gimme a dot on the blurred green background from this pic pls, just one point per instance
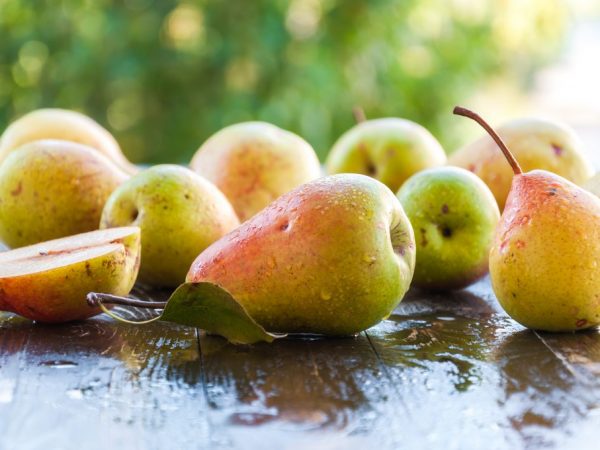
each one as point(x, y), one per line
point(165, 75)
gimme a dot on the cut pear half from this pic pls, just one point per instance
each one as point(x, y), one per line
point(48, 282)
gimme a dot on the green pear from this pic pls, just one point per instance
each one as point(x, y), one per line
point(48, 282)
point(544, 262)
point(253, 163)
point(593, 185)
point(390, 150)
point(536, 144)
point(64, 125)
point(50, 189)
point(454, 215)
point(334, 256)
point(180, 214)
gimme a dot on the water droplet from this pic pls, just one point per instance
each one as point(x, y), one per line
point(325, 295)
point(369, 259)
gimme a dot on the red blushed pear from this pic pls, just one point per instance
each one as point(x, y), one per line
point(545, 260)
point(334, 256)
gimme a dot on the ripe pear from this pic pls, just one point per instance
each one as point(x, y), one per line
point(65, 125)
point(48, 282)
point(180, 214)
point(389, 149)
point(454, 215)
point(536, 144)
point(50, 189)
point(334, 256)
point(593, 185)
point(545, 260)
point(253, 163)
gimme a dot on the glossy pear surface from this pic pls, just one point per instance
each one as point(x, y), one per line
point(334, 256)
point(180, 214)
point(545, 261)
point(48, 282)
point(389, 149)
point(536, 144)
point(454, 216)
point(253, 163)
point(65, 125)
point(51, 189)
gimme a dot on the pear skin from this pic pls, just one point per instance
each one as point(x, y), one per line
point(334, 256)
point(51, 189)
point(64, 125)
point(253, 163)
point(536, 144)
point(48, 282)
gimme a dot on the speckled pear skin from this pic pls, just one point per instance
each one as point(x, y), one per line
point(253, 163)
point(334, 256)
point(51, 189)
point(389, 150)
point(65, 125)
point(536, 144)
point(58, 294)
point(180, 214)
point(545, 260)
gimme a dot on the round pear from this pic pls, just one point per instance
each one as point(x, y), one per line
point(388, 149)
point(51, 189)
point(536, 144)
point(253, 163)
point(65, 125)
point(180, 214)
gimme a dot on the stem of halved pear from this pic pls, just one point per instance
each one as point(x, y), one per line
point(359, 114)
point(460, 111)
point(95, 299)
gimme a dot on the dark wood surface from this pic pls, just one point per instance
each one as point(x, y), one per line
point(444, 371)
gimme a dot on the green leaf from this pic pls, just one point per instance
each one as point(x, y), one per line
point(211, 308)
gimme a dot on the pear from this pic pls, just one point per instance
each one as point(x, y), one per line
point(389, 149)
point(545, 259)
point(48, 282)
point(253, 163)
point(65, 125)
point(334, 256)
point(536, 143)
point(51, 189)
point(180, 214)
point(593, 185)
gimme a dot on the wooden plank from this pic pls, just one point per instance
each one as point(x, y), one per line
point(474, 378)
point(303, 393)
point(100, 384)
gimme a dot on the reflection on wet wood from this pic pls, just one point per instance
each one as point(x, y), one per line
point(449, 371)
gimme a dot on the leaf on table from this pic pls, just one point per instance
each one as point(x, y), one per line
point(209, 307)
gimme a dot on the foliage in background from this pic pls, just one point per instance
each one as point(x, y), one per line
point(164, 75)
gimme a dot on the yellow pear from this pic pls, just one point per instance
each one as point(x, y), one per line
point(62, 124)
point(536, 144)
point(545, 259)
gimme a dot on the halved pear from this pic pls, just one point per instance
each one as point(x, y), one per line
point(48, 282)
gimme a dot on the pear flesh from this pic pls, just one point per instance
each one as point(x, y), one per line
point(48, 282)
point(334, 256)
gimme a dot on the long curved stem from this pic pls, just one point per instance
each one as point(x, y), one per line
point(460, 111)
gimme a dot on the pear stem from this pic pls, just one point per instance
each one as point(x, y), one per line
point(359, 114)
point(460, 111)
point(96, 299)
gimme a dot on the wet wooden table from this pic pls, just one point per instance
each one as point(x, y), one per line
point(451, 372)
